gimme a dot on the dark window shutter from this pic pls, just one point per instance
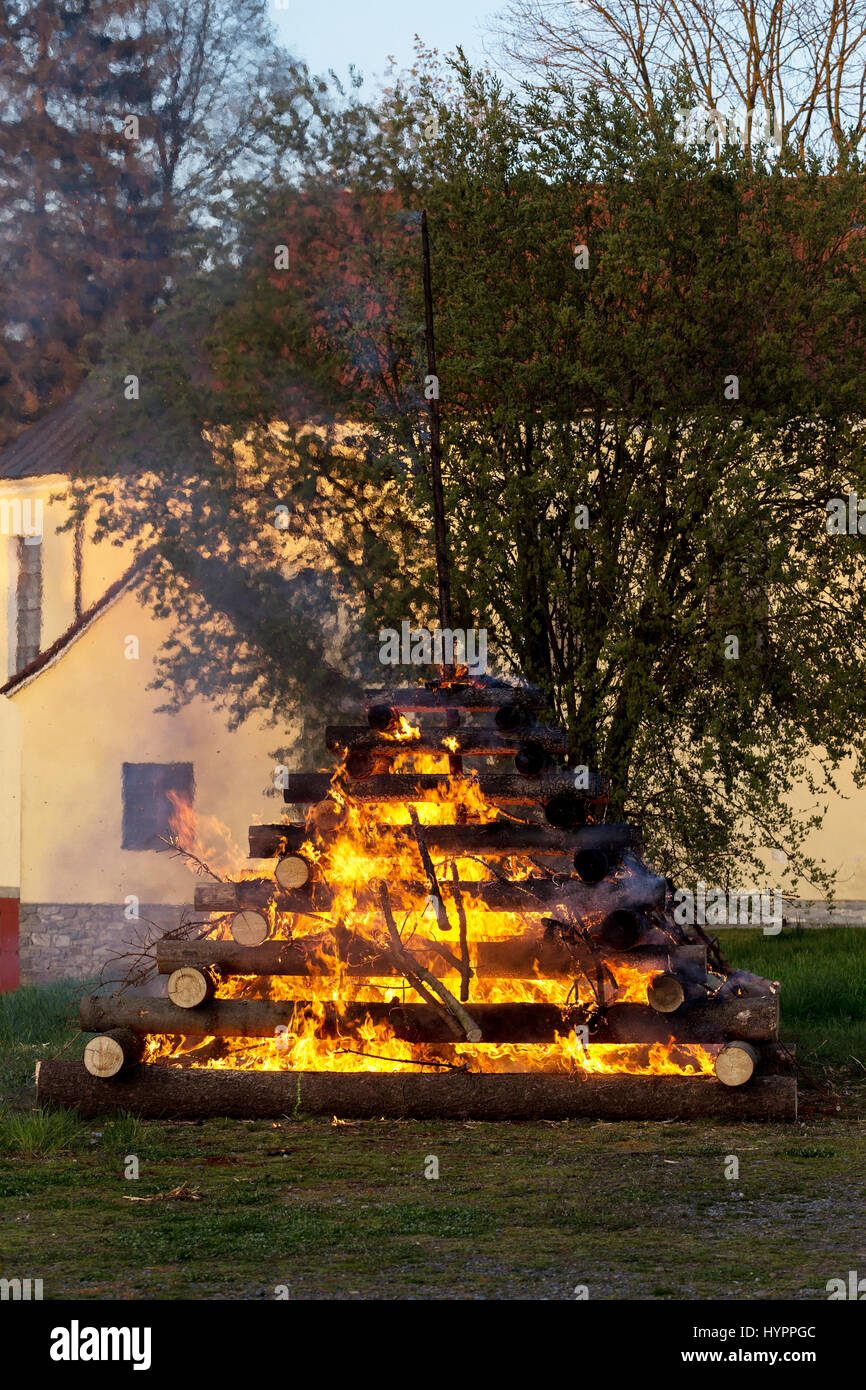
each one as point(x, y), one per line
point(147, 807)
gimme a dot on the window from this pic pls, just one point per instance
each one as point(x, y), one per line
point(154, 795)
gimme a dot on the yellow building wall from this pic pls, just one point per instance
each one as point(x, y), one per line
point(101, 566)
point(10, 798)
point(841, 841)
point(81, 720)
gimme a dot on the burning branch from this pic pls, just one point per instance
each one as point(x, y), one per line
point(465, 969)
point(179, 852)
point(435, 893)
point(415, 973)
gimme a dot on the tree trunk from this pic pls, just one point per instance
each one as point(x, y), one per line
point(526, 957)
point(200, 1093)
point(641, 889)
point(481, 696)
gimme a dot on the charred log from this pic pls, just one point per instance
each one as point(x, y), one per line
point(470, 742)
point(752, 1018)
point(508, 788)
point(492, 840)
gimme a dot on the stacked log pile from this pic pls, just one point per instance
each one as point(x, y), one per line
point(591, 911)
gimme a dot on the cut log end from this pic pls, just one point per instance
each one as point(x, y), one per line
point(249, 928)
point(736, 1064)
point(188, 988)
point(292, 871)
point(665, 993)
point(325, 817)
point(108, 1054)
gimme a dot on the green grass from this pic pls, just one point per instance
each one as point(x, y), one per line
point(520, 1210)
point(36, 1133)
point(823, 978)
point(36, 1022)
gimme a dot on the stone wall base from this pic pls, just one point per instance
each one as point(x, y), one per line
point(80, 940)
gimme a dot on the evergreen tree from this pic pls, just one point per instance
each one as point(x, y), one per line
point(85, 239)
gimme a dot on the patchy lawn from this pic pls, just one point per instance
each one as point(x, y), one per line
point(630, 1209)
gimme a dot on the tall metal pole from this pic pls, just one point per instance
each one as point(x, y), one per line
point(443, 572)
point(440, 529)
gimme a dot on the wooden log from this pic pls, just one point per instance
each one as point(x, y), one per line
point(292, 871)
point(720, 1019)
point(643, 889)
point(495, 840)
point(508, 788)
point(475, 696)
point(525, 957)
point(266, 841)
point(736, 1063)
point(471, 742)
point(188, 988)
point(109, 1053)
point(716, 1020)
point(172, 1092)
point(666, 993)
point(248, 927)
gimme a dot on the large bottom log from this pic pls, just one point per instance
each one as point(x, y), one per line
point(168, 1091)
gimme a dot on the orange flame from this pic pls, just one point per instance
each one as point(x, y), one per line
point(373, 842)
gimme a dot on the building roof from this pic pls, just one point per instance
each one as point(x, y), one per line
point(77, 629)
point(57, 443)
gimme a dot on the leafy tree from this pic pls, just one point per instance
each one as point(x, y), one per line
point(693, 381)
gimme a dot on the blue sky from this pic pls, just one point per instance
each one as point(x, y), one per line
point(335, 33)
